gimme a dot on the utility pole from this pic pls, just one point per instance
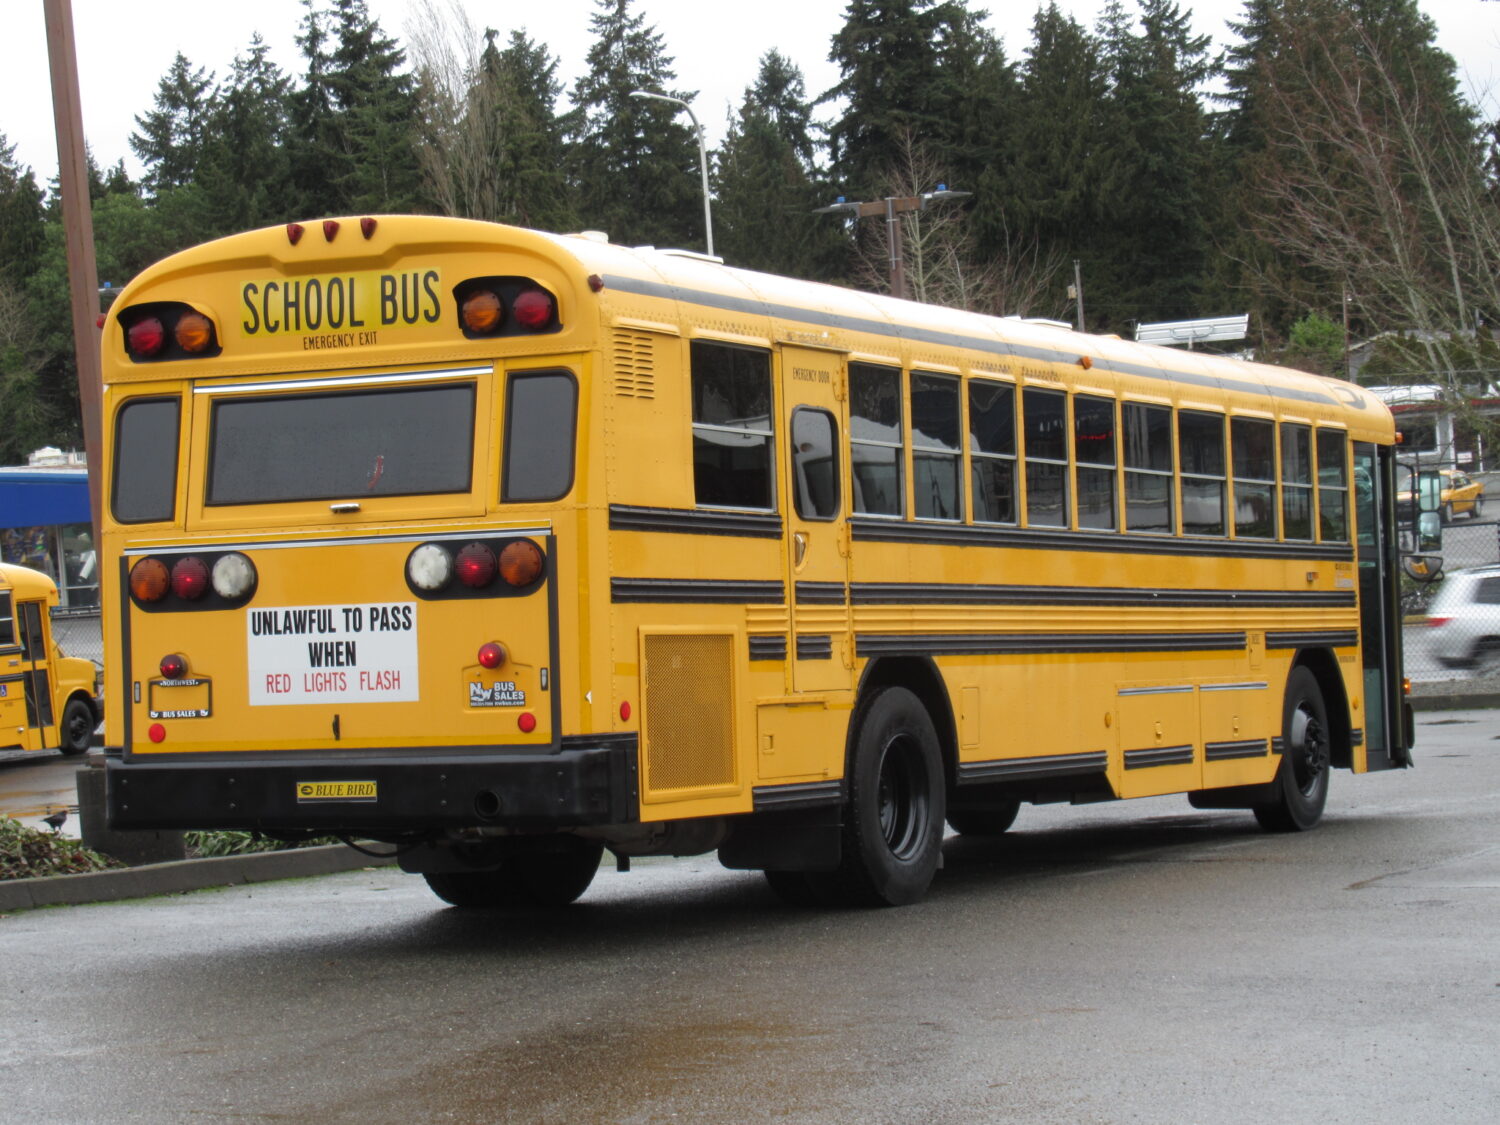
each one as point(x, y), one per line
point(893, 207)
point(78, 225)
point(1078, 293)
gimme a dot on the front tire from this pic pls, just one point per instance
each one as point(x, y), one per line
point(1477, 508)
point(77, 728)
point(893, 830)
point(1301, 783)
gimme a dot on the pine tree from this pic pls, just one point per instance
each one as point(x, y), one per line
point(27, 415)
point(766, 184)
point(171, 138)
point(633, 162)
point(245, 170)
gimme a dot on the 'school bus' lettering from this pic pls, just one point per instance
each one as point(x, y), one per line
point(619, 547)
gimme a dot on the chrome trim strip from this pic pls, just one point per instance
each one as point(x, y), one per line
point(351, 540)
point(1260, 686)
point(346, 381)
point(1187, 690)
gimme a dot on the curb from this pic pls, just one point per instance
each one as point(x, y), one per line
point(183, 875)
point(1471, 701)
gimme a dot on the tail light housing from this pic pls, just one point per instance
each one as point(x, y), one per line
point(505, 306)
point(435, 571)
point(199, 581)
point(167, 330)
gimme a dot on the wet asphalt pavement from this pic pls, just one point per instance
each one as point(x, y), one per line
point(1138, 962)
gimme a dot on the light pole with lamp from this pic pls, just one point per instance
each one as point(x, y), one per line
point(892, 208)
point(708, 219)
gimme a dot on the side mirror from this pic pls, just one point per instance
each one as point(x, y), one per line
point(1429, 491)
point(1422, 568)
point(1429, 531)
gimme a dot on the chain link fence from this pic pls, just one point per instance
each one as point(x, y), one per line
point(77, 634)
point(1451, 626)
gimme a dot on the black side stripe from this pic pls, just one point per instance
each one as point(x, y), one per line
point(1008, 644)
point(1313, 638)
point(803, 795)
point(1228, 751)
point(820, 593)
point(814, 647)
point(694, 521)
point(1113, 542)
point(928, 593)
point(1050, 765)
point(1158, 756)
point(683, 591)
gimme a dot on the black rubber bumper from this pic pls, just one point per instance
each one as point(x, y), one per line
point(578, 785)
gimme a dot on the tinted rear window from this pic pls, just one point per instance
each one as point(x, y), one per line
point(145, 476)
point(348, 444)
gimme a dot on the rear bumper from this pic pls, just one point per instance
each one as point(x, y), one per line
point(588, 782)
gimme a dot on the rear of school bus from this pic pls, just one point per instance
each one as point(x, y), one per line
point(343, 520)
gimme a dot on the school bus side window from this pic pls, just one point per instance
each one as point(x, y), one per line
point(1045, 421)
point(1094, 446)
point(1148, 468)
point(732, 426)
point(1200, 454)
point(1253, 452)
point(540, 428)
point(875, 438)
point(1296, 481)
point(936, 456)
point(815, 463)
point(992, 450)
point(7, 623)
point(145, 472)
point(1333, 487)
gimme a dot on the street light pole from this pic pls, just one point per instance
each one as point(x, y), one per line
point(708, 219)
point(893, 207)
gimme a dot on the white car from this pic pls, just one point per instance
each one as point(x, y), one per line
point(1464, 620)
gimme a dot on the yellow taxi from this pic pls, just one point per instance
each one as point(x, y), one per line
point(47, 700)
point(1462, 495)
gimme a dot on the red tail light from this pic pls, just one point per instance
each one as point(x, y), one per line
point(475, 565)
point(491, 654)
point(146, 337)
point(174, 666)
point(533, 309)
point(190, 578)
point(1435, 621)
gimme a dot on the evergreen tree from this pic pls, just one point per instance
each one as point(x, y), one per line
point(245, 171)
point(28, 417)
point(766, 185)
point(531, 163)
point(354, 120)
point(634, 162)
point(22, 217)
point(172, 136)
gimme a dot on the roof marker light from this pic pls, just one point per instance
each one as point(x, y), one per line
point(367, 226)
point(293, 232)
point(330, 228)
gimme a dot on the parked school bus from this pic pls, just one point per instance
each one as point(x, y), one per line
point(47, 700)
point(507, 547)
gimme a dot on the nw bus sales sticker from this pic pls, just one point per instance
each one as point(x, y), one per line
point(333, 654)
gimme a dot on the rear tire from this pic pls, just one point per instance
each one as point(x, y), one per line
point(471, 890)
point(77, 728)
point(993, 820)
point(893, 830)
point(1301, 783)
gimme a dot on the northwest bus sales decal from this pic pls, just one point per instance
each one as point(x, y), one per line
point(346, 310)
point(333, 654)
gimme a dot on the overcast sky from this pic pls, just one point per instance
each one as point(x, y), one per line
point(126, 46)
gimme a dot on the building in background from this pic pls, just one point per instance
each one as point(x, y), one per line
point(44, 524)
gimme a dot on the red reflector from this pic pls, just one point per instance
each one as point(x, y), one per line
point(533, 309)
point(174, 666)
point(491, 655)
point(293, 232)
point(149, 580)
point(330, 228)
point(1438, 620)
point(625, 709)
point(526, 721)
point(146, 336)
point(157, 733)
point(475, 565)
point(367, 227)
point(190, 578)
point(100, 322)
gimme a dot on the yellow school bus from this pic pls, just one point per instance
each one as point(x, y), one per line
point(508, 547)
point(47, 700)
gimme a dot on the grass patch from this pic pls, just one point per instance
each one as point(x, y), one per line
point(201, 845)
point(26, 853)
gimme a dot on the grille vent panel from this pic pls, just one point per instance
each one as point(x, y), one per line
point(689, 705)
point(634, 355)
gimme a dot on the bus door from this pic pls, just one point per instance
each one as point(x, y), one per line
point(818, 644)
point(14, 730)
point(1387, 742)
point(29, 664)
